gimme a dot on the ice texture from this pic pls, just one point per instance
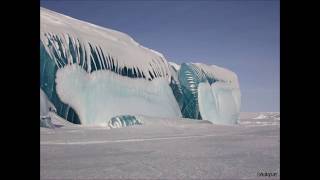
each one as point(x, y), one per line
point(92, 74)
point(217, 103)
point(189, 77)
point(45, 107)
point(207, 102)
point(175, 66)
point(45, 104)
point(123, 121)
point(66, 41)
point(207, 92)
point(220, 98)
point(101, 95)
point(48, 70)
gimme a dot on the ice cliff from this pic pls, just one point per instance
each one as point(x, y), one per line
point(92, 74)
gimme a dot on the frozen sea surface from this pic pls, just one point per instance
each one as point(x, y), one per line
point(165, 149)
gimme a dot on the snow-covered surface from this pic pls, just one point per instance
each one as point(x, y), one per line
point(163, 148)
point(126, 52)
point(221, 74)
point(261, 116)
point(268, 115)
point(175, 65)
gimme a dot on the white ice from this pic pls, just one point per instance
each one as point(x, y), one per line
point(101, 95)
point(45, 104)
point(126, 52)
point(218, 103)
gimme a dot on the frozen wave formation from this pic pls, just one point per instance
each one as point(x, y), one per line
point(207, 92)
point(92, 74)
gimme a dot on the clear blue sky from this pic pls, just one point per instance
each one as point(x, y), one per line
point(242, 36)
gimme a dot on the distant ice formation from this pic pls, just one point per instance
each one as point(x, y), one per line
point(93, 75)
point(269, 115)
point(261, 116)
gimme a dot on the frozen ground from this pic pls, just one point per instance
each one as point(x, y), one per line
point(168, 149)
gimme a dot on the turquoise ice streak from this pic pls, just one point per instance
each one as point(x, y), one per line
point(97, 76)
point(123, 121)
point(189, 77)
point(48, 70)
point(205, 92)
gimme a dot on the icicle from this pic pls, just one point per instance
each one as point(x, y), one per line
point(70, 40)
